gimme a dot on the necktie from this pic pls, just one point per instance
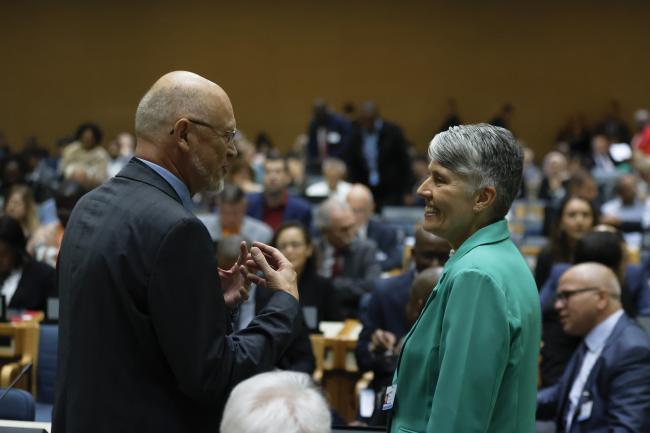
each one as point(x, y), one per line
point(581, 351)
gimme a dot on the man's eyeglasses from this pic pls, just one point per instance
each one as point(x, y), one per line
point(565, 295)
point(228, 135)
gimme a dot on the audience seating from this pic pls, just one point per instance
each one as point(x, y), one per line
point(18, 347)
point(17, 405)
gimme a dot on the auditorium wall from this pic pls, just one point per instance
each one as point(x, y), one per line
point(70, 61)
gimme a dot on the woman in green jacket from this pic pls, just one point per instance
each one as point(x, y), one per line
point(469, 364)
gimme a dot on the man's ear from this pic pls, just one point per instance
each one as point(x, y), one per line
point(485, 198)
point(179, 133)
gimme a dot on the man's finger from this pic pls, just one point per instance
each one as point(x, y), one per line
point(243, 253)
point(260, 260)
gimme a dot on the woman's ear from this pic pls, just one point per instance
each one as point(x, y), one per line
point(485, 198)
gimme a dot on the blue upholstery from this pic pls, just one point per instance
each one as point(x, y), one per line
point(46, 371)
point(17, 405)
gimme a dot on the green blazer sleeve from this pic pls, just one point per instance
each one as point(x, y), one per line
point(474, 350)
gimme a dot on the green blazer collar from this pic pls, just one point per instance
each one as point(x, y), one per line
point(490, 234)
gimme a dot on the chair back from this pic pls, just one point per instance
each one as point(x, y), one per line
point(17, 405)
point(47, 363)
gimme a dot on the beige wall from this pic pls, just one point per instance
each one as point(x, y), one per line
point(66, 62)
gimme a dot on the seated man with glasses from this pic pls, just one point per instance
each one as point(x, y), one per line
point(606, 385)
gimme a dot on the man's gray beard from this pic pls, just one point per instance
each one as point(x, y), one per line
point(214, 184)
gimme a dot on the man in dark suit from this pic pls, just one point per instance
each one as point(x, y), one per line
point(350, 263)
point(276, 205)
point(328, 137)
point(144, 344)
point(378, 157)
point(388, 239)
point(606, 384)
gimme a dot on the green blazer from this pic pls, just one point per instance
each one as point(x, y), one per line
point(469, 364)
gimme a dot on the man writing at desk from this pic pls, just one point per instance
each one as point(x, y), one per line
point(144, 314)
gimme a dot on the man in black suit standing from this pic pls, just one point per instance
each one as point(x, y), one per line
point(144, 334)
point(378, 157)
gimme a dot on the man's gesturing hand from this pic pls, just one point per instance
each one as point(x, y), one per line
point(278, 273)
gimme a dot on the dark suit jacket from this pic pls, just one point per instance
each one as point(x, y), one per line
point(299, 356)
point(393, 163)
point(387, 239)
point(387, 311)
point(618, 386)
point(142, 342)
point(558, 346)
point(297, 209)
point(37, 283)
point(360, 268)
point(335, 149)
point(318, 292)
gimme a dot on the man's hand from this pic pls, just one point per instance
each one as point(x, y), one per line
point(278, 273)
point(233, 281)
point(382, 340)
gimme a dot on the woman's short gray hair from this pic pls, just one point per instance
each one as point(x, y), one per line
point(485, 155)
point(276, 402)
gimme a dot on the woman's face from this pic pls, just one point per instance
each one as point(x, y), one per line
point(293, 245)
point(87, 139)
point(449, 205)
point(577, 218)
point(15, 207)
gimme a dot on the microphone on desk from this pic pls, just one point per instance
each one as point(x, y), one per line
point(13, 382)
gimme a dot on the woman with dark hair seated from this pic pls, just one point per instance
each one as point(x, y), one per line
point(316, 292)
point(575, 217)
point(24, 282)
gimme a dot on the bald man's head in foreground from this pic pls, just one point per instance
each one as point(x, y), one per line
point(587, 294)
point(185, 123)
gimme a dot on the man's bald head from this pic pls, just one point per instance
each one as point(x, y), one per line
point(174, 95)
point(587, 294)
point(362, 203)
point(186, 124)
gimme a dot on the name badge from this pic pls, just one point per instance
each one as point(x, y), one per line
point(585, 410)
point(389, 398)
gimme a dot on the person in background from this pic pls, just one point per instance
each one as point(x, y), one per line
point(231, 218)
point(333, 184)
point(378, 157)
point(20, 205)
point(84, 159)
point(25, 283)
point(45, 244)
point(317, 296)
point(387, 301)
point(384, 346)
point(351, 263)
point(328, 136)
point(626, 210)
point(606, 385)
point(121, 151)
point(275, 205)
point(276, 402)
point(299, 355)
point(388, 240)
point(575, 217)
point(469, 364)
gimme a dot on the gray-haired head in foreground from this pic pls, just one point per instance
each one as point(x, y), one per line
point(276, 402)
point(485, 155)
point(324, 212)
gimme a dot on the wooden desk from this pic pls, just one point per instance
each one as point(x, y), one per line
point(19, 347)
point(336, 365)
